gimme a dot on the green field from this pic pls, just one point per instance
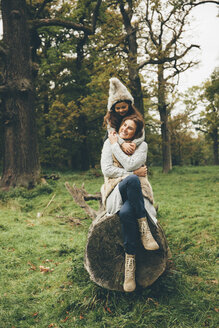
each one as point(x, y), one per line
point(42, 278)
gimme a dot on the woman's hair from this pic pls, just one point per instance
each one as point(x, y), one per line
point(114, 119)
point(139, 122)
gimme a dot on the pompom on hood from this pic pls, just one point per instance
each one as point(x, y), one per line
point(118, 92)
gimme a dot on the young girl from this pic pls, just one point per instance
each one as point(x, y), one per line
point(121, 105)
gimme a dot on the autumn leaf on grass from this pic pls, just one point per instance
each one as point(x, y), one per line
point(107, 309)
point(32, 266)
point(45, 269)
point(64, 320)
point(47, 260)
point(35, 314)
point(30, 224)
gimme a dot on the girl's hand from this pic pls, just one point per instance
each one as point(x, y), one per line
point(113, 137)
point(128, 148)
point(141, 172)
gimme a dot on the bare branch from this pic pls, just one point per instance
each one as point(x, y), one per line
point(149, 24)
point(176, 35)
point(194, 4)
point(180, 69)
point(167, 59)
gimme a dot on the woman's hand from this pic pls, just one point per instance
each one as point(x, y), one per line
point(128, 148)
point(113, 137)
point(141, 172)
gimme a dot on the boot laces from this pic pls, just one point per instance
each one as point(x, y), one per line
point(129, 267)
point(144, 229)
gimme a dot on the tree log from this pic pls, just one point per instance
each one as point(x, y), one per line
point(105, 257)
point(104, 254)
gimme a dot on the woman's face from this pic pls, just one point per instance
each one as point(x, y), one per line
point(127, 129)
point(122, 108)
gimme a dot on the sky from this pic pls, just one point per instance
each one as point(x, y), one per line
point(204, 31)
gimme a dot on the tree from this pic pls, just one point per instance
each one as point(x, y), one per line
point(131, 49)
point(209, 118)
point(154, 38)
point(187, 147)
point(20, 163)
point(20, 158)
point(164, 47)
point(202, 102)
point(66, 64)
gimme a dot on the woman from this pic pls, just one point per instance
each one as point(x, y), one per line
point(127, 192)
point(120, 105)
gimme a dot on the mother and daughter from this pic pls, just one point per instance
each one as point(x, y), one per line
point(126, 190)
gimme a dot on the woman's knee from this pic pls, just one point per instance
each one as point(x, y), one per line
point(133, 180)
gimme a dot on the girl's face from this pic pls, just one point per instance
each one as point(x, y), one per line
point(122, 108)
point(127, 129)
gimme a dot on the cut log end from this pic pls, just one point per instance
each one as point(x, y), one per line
point(104, 254)
point(105, 257)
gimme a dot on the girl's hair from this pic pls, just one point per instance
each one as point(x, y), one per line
point(139, 122)
point(114, 119)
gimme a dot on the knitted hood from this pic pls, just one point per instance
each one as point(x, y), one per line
point(118, 92)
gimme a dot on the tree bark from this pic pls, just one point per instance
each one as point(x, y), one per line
point(215, 145)
point(165, 133)
point(21, 162)
point(133, 67)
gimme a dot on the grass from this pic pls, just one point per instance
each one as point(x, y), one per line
point(42, 278)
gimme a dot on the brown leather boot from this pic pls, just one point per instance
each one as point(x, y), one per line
point(147, 239)
point(129, 282)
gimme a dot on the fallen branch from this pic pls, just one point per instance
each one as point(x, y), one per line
point(80, 197)
point(39, 214)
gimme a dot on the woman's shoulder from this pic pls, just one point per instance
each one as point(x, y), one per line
point(106, 144)
point(143, 146)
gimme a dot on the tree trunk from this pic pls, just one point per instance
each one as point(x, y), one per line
point(215, 145)
point(20, 158)
point(105, 256)
point(165, 133)
point(133, 68)
point(84, 151)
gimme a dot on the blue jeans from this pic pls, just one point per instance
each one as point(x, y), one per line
point(131, 210)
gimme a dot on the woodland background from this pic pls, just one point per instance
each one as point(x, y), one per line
point(56, 58)
point(56, 63)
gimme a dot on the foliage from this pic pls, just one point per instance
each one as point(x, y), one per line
point(187, 148)
point(206, 99)
point(74, 69)
point(210, 117)
point(42, 258)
